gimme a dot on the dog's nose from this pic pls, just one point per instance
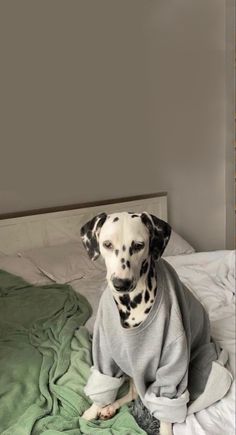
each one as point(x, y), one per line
point(121, 284)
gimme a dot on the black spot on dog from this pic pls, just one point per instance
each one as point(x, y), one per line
point(155, 291)
point(124, 247)
point(123, 266)
point(94, 242)
point(149, 282)
point(122, 260)
point(116, 302)
point(138, 298)
point(151, 271)
point(134, 215)
point(125, 300)
point(135, 247)
point(136, 324)
point(146, 221)
point(116, 219)
point(124, 315)
point(133, 318)
point(136, 301)
point(126, 325)
point(147, 310)
point(128, 264)
point(117, 252)
point(131, 249)
point(144, 267)
point(146, 296)
point(152, 300)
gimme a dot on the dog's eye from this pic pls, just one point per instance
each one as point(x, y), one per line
point(108, 245)
point(138, 246)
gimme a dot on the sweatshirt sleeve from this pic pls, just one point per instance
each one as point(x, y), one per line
point(106, 377)
point(167, 396)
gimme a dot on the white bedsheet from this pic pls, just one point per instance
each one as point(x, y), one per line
point(211, 277)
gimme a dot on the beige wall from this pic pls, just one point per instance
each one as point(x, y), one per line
point(104, 99)
point(230, 167)
point(187, 111)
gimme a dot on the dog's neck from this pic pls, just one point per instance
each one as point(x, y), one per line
point(134, 307)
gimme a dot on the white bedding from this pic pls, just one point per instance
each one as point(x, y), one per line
point(211, 277)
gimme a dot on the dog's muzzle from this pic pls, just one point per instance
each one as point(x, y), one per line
point(122, 285)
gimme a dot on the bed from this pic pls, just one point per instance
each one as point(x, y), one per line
point(45, 250)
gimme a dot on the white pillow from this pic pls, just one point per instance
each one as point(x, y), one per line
point(24, 268)
point(63, 263)
point(69, 261)
point(177, 246)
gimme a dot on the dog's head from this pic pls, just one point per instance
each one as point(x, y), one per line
point(127, 242)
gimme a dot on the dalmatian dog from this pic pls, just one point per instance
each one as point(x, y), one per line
point(130, 244)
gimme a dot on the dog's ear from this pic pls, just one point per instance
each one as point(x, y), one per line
point(90, 235)
point(159, 231)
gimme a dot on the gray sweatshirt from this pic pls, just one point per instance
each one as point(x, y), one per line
point(169, 355)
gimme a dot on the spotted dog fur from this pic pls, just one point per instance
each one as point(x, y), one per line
point(130, 244)
point(90, 233)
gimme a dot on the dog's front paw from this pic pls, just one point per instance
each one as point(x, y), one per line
point(165, 428)
point(108, 412)
point(91, 413)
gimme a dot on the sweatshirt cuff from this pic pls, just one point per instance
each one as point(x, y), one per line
point(165, 409)
point(102, 389)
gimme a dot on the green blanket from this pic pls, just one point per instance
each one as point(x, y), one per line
point(45, 359)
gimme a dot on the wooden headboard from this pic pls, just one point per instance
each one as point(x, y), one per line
point(62, 224)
